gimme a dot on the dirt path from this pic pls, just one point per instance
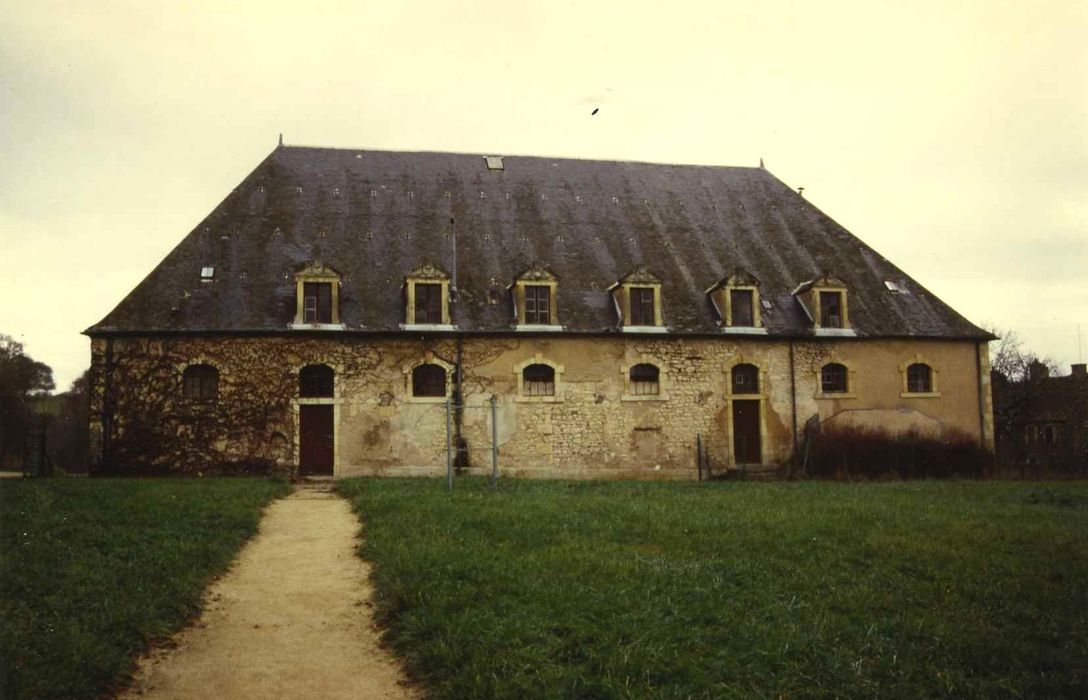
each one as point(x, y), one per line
point(291, 619)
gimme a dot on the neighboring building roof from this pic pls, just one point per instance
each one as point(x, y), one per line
point(377, 215)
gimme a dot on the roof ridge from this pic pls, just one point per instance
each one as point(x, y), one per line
point(479, 154)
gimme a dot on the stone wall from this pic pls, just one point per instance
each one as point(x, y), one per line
point(592, 428)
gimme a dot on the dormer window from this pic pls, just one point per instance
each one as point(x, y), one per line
point(740, 302)
point(534, 295)
point(317, 302)
point(831, 310)
point(736, 301)
point(538, 305)
point(637, 297)
point(824, 301)
point(317, 297)
point(428, 303)
point(427, 307)
point(642, 306)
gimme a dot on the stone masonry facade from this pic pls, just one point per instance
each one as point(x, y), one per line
point(592, 427)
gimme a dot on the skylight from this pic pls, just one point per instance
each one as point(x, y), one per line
point(895, 287)
point(494, 162)
point(206, 273)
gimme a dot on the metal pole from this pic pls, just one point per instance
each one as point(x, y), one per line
point(449, 454)
point(494, 444)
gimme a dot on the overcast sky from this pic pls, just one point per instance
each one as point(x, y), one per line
point(950, 136)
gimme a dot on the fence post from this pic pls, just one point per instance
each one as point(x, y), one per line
point(494, 443)
point(449, 454)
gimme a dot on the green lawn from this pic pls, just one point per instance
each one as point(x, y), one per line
point(91, 570)
point(901, 590)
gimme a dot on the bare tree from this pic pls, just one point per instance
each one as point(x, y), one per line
point(1009, 357)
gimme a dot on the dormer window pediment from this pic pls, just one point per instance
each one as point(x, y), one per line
point(534, 295)
point(317, 297)
point(637, 296)
point(737, 302)
point(427, 299)
point(825, 302)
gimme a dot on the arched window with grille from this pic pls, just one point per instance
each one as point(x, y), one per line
point(919, 378)
point(833, 378)
point(745, 379)
point(200, 382)
point(538, 380)
point(315, 382)
point(645, 379)
point(429, 380)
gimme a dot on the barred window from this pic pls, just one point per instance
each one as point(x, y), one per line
point(645, 380)
point(315, 381)
point(429, 380)
point(833, 379)
point(538, 380)
point(745, 379)
point(200, 382)
point(919, 378)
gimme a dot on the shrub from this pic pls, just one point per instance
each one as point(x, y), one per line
point(853, 452)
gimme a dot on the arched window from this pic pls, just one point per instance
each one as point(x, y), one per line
point(745, 379)
point(429, 380)
point(201, 382)
point(538, 380)
point(833, 379)
point(919, 379)
point(645, 380)
point(315, 381)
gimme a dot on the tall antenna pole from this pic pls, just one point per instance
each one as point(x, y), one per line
point(453, 283)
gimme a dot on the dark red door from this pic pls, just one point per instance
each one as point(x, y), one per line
point(746, 448)
point(315, 438)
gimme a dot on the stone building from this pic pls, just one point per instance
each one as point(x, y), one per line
point(1042, 421)
point(324, 313)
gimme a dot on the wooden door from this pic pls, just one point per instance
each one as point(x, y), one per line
point(315, 439)
point(746, 447)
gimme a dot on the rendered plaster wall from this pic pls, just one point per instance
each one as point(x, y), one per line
point(592, 428)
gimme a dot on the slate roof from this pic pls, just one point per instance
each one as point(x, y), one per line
point(377, 215)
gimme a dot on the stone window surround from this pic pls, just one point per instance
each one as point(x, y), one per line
point(851, 379)
point(537, 276)
point(201, 360)
point(319, 273)
point(538, 359)
point(335, 401)
point(722, 301)
point(934, 388)
point(662, 380)
point(621, 296)
point(428, 359)
point(426, 274)
point(812, 290)
point(761, 396)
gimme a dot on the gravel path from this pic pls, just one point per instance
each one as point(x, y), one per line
point(291, 619)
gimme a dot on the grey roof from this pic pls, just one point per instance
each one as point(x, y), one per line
point(377, 215)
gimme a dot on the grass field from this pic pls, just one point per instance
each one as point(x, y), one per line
point(903, 590)
point(92, 569)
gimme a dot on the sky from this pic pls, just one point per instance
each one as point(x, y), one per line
point(950, 136)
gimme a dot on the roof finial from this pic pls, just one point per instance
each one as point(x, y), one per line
point(281, 138)
point(761, 164)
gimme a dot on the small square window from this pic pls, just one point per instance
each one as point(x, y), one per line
point(207, 273)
